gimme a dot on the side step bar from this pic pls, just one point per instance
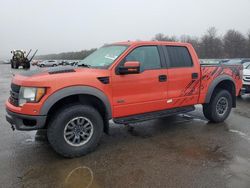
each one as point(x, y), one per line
point(153, 115)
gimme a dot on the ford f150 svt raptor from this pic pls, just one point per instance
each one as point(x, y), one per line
point(127, 82)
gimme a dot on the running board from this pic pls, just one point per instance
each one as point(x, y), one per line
point(153, 115)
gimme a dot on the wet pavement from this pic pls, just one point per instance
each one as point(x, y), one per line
point(179, 151)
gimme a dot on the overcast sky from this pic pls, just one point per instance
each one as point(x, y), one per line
point(54, 26)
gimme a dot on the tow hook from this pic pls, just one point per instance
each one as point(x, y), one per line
point(13, 128)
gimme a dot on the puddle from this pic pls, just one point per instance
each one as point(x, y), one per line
point(79, 177)
point(59, 176)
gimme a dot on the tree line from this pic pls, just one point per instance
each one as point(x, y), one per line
point(67, 55)
point(211, 45)
point(233, 44)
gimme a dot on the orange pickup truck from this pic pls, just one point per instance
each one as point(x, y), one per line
point(127, 82)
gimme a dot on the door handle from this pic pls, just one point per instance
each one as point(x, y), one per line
point(162, 78)
point(195, 75)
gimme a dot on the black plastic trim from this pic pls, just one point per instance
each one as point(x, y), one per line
point(153, 115)
point(76, 90)
point(17, 121)
point(104, 80)
point(213, 85)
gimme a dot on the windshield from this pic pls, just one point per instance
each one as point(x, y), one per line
point(248, 67)
point(103, 57)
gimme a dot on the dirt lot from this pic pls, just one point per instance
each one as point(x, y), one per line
point(180, 151)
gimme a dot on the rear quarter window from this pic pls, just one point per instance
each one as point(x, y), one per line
point(178, 56)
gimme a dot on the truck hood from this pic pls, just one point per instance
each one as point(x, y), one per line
point(246, 72)
point(58, 77)
point(53, 70)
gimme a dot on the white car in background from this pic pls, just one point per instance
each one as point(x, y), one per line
point(246, 64)
point(246, 79)
point(48, 63)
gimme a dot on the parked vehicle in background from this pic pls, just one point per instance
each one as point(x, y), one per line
point(65, 62)
point(246, 64)
point(224, 60)
point(127, 82)
point(69, 62)
point(6, 62)
point(48, 63)
point(213, 61)
point(74, 63)
point(245, 60)
point(246, 79)
point(35, 62)
point(20, 59)
point(236, 61)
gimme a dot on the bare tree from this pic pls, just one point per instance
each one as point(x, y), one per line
point(235, 44)
point(162, 37)
point(192, 40)
point(248, 45)
point(211, 45)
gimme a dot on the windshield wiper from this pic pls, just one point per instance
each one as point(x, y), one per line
point(83, 65)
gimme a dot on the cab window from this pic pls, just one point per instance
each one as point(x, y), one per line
point(148, 57)
point(179, 57)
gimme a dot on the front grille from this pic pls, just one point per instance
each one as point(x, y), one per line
point(15, 88)
point(14, 93)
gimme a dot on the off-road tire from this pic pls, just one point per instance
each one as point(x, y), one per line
point(15, 65)
point(26, 66)
point(210, 110)
point(59, 121)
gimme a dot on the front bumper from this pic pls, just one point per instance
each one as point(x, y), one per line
point(25, 122)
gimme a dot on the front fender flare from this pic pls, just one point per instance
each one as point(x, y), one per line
point(76, 90)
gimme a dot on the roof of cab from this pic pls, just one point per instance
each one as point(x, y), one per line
point(132, 43)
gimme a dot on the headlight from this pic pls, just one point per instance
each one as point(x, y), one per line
point(30, 94)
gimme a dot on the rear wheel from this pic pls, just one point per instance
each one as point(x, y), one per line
point(219, 107)
point(75, 130)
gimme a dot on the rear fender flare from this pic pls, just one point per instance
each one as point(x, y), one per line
point(215, 83)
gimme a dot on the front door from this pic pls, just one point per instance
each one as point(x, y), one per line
point(142, 92)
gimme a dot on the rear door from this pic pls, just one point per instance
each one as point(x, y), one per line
point(183, 77)
point(142, 92)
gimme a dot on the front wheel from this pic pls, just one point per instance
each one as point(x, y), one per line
point(75, 130)
point(219, 107)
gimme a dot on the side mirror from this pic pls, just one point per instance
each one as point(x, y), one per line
point(130, 67)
